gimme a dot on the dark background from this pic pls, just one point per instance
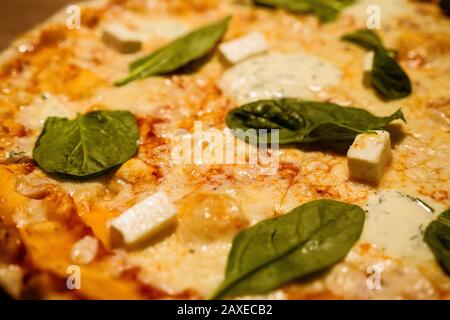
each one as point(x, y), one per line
point(18, 16)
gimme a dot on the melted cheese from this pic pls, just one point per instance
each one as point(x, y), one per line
point(155, 27)
point(149, 28)
point(388, 9)
point(395, 223)
point(34, 116)
point(276, 75)
point(135, 98)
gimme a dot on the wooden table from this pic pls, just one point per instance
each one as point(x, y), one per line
point(17, 16)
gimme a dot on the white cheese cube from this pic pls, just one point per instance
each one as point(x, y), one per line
point(85, 250)
point(368, 61)
point(368, 156)
point(243, 47)
point(144, 220)
point(122, 39)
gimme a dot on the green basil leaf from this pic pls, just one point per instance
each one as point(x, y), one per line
point(290, 5)
point(301, 121)
point(325, 10)
point(365, 38)
point(388, 76)
point(178, 53)
point(274, 252)
point(87, 146)
point(437, 236)
point(328, 10)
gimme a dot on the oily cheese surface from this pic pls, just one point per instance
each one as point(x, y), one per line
point(57, 71)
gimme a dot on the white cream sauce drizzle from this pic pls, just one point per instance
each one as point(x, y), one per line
point(396, 222)
point(276, 75)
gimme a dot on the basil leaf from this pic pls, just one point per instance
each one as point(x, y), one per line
point(364, 38)
point(325, 10)
point(437, 236)
point(178, 53)
point(290, 5)
point(367, 39)
point(88, 145)
point(388, 76)
point(273, 252)
point(307, 121)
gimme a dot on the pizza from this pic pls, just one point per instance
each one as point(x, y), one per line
point(206, 149)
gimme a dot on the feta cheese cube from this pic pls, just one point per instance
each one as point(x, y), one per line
point(368, 61)
point(144, 220)
point(243, 47)
point(368, 156)
point(85, 250)
point(122, 39)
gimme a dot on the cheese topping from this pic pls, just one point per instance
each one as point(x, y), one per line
point(11, 279)
point(368, 61)
point(121, 38)
point(388, 9)
point(149, 28)
point(244, 47)
point(276, 75)
point(34, 116)
point(368, 156)
point(144, 220)
point(395, 223)
point(85, 250)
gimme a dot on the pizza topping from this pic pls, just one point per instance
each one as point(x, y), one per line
point(244, 47)
point(178, 53)
point(307, 121)
point(273, 252)
point(395, 223)
point(387, 75)
point(364, 38)
point(144, 220)
point(85, 250)
point(276, 75)
point(121, 38)
point(368, 156)
point(149, 28)
point(325, 10)
point(87, 146)
point(33, 116)
point(206, 217)
point(388, 10)
point(368, 61)
point(11, 279)
point(437, 236)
